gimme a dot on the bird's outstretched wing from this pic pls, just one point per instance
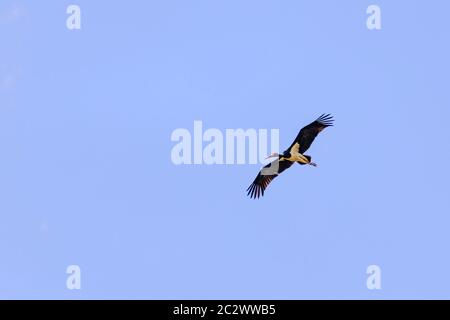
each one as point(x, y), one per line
point(307, 134)
point(265, 176)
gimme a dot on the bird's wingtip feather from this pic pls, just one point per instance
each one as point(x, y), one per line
point(326, 120)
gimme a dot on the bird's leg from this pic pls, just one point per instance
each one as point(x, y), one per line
point(313, 164)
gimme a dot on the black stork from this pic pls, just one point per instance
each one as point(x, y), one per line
point(293, 154)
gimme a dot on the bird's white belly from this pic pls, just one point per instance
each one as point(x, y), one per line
point(298, 157)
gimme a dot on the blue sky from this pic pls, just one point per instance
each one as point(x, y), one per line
point(86, 176)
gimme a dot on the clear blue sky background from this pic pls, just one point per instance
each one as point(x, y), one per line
point(86, 176)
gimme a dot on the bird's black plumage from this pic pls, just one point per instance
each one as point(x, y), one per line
point(265, 176)
point(308, 133)
point(301, 143)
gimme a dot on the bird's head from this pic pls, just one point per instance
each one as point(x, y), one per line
point(273, 155)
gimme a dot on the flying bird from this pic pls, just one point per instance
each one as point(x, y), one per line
point(295, 153)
